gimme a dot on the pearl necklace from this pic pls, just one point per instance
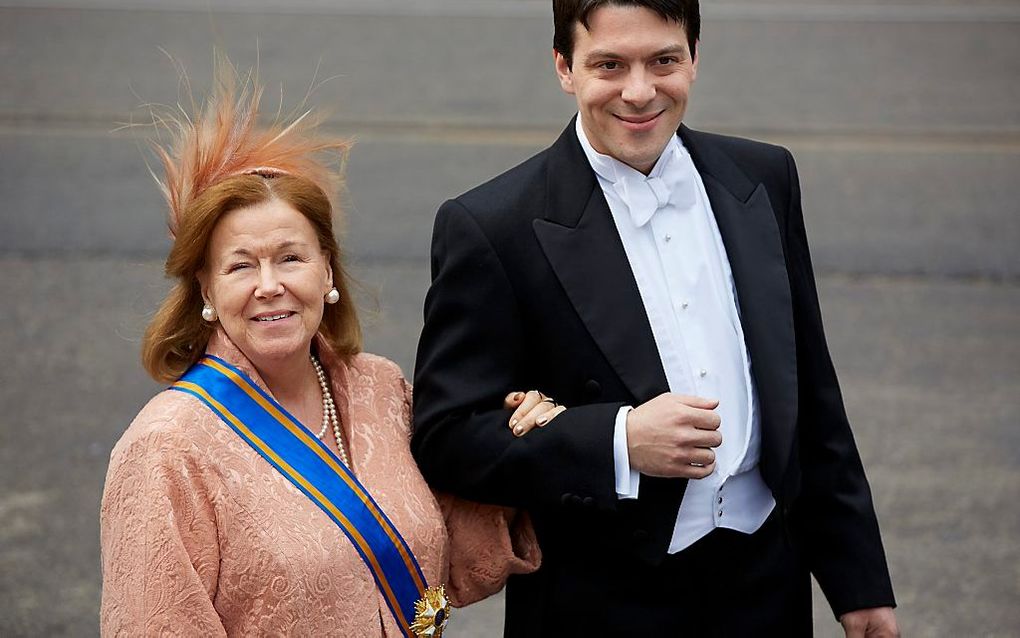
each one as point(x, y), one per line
point(329, 415)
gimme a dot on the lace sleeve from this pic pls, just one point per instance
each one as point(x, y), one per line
point(160, 554)
point(488, 543)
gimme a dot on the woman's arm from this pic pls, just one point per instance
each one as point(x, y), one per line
point(160, 552)
point(487, 543)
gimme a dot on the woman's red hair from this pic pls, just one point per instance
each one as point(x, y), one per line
point(221, 160)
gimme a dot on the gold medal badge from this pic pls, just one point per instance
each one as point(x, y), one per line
point(431, 613)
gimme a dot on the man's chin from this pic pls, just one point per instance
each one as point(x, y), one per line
point(644, 149)
point(641, 159)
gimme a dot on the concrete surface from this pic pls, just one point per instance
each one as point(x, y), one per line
point(904, 120)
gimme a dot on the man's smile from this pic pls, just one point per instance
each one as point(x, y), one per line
point(639, 123)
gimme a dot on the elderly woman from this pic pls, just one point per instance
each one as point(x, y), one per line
point(270, 489)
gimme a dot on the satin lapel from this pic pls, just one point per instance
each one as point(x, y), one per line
point(754, 248)
point(584, 249)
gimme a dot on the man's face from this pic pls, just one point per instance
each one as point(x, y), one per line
point(631, 75)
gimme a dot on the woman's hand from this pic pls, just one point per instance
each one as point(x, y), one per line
point(531, 409)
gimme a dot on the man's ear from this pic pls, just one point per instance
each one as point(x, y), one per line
point(694, 59)
point(563, 72)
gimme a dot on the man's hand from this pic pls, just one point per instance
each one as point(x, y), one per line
point(673, 435)
point(877, 622)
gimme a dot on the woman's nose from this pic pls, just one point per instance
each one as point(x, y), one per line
point(269, 284)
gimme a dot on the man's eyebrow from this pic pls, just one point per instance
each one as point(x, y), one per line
point(600, 54)
point(676, 48)
point(607, 54)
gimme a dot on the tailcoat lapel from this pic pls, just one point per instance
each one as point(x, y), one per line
point(754, 248)
point(580, 239)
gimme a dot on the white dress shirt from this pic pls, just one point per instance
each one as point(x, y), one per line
point(677, 256)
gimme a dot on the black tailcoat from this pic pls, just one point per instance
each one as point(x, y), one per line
point(531, 289)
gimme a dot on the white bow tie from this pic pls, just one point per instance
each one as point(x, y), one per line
point(646, 195)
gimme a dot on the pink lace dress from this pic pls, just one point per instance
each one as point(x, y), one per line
point(201, 536)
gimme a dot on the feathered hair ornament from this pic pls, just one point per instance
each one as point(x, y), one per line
point(223, 139)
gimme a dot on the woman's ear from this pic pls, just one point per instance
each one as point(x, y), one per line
point(203, 284)
point(329, 270)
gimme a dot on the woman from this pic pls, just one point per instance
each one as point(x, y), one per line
point(270, 490)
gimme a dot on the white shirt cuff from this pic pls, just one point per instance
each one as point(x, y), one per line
point(627, 480)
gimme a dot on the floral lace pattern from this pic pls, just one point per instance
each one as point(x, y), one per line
point(202, 536)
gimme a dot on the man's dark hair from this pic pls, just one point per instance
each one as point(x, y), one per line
point(567, 13)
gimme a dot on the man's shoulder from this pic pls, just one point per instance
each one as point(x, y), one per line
point(512, 191)
point(741, 149)
point(757, 162)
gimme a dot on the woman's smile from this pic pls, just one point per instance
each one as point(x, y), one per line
point(273, 317)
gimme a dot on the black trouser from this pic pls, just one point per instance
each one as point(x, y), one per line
point(728, 584)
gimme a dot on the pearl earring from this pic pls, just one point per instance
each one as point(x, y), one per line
point(208, 313)
point(333, 296)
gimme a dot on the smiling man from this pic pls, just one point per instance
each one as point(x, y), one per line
point(656, 282)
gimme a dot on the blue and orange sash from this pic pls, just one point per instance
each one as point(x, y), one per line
point(307, 463)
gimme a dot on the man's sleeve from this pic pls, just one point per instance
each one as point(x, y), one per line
point(834, 518)
point(628, 480)
point(474, 350)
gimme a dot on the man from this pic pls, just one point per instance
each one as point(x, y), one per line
point(656, 282)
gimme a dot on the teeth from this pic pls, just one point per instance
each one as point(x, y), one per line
point(273, 317)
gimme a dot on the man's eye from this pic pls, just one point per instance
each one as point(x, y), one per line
point(609, 66)
point(666, 60)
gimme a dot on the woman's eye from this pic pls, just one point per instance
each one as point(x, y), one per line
point(236, 267)
point(291, 258)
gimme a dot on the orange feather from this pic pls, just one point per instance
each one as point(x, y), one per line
point(224, 138)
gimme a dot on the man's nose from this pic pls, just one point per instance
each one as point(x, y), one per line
point(640, 87)
point(269, 284)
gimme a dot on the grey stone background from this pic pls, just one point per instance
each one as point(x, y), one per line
point(904, 119)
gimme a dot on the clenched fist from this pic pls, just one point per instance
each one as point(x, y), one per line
point(673, 435)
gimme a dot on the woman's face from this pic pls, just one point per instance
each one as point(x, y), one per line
point(266, 276)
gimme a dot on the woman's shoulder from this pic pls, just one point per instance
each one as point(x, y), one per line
point(378, 384)
point(374, 369)
point(171, 423)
